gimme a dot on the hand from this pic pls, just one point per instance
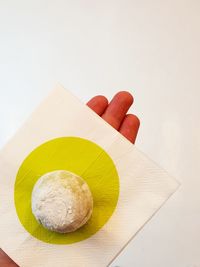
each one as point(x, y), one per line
point(115, 113)
point(5, 261)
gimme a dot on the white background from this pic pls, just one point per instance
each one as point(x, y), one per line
point(150, 48)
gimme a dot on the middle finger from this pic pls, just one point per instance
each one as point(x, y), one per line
point(117, 108)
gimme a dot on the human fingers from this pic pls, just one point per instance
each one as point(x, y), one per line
point(129, 127)
point(117, 108)
point(98, 104)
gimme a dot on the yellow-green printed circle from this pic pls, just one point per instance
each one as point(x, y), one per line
point(77, 155)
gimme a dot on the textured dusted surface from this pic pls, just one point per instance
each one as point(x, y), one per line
point(61, 201)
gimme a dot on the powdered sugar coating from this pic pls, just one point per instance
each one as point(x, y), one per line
point(62, 201)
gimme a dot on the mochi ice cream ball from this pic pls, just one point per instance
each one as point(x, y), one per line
point(61, 201)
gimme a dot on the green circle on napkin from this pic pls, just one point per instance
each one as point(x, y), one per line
point(79, 156)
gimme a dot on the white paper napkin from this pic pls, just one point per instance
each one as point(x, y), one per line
point(144, 186)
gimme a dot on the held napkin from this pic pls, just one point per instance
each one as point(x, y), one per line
point(141, 190)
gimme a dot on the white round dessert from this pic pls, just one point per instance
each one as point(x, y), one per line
point(61, 201)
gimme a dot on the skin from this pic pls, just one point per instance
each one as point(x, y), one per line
point(5, 261)
point(114, 113)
